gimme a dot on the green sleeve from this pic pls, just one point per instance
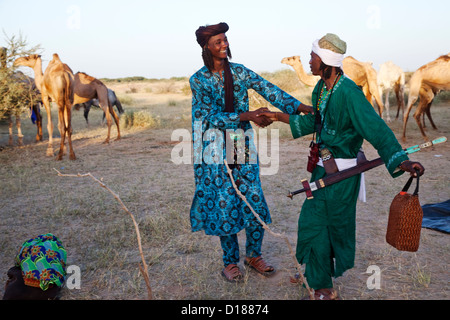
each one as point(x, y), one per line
point(373, 128)
point(301, 125)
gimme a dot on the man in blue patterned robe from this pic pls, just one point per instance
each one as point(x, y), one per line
point(216, 208)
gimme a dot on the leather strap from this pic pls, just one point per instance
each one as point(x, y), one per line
point(408, 184)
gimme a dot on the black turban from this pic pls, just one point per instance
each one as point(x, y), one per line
point(204, 33)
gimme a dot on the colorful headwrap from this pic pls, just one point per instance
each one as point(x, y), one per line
point(43, 261)
point(331, 49)
point(205, 32)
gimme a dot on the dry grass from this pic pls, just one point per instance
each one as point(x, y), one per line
point(183, 265)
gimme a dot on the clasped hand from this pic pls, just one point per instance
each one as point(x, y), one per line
point(265, 117)
point(260, 117)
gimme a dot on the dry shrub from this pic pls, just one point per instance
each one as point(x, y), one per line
point(138, 119)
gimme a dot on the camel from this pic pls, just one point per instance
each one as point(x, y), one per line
point(391, 77)
point(307, 78)
point(33, 103)
point(84, 89)
point(362, 73)
point(30, 99)
point(113, 100)
point(425, 83)
point(57, 86)
point(54, 85)
point(87, 88)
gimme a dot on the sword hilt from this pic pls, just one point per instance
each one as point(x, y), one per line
point(306, 189)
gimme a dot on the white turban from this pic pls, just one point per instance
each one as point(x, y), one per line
point(328, 57)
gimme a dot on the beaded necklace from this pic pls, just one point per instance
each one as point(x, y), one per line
point(328, 93)
point(320, 100)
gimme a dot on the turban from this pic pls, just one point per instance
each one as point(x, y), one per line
point(204, 33)
point(330, 49)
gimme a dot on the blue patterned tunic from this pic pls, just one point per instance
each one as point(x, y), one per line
point(216, 207)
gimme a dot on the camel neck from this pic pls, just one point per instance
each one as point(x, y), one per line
point(38, 75)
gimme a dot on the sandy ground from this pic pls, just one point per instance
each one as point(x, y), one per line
point(100, 238)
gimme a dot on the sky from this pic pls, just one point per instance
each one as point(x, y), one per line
point(156, 39)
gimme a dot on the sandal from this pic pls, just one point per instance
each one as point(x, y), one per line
point(295, 279)
point(260, 266)
point(325, 294)
point(232, 273)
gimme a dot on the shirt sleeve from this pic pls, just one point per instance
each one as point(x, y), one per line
point(301, 125)
point(273, 94)
point(373, 128)
point(206, 108)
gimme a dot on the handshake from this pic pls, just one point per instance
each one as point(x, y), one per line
point(263, 117)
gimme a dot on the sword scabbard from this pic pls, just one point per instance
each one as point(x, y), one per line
point(359, 168)
point(307, 188)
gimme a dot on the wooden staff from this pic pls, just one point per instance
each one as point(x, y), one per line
point(144, 270)
point(297, 265)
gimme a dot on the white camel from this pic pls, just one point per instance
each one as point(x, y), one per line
point(391, 77)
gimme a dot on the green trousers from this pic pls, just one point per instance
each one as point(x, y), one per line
point(326, 231)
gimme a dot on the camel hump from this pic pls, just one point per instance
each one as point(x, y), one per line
point(56, 57)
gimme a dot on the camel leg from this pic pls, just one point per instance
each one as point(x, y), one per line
point(19, 130)
point(87, 108)
point(386, 104)
point(46, 102)
point(36, 109)
point(428, 113)
point(117, 121)
point(62, 132)
point(400, 100)
point(418, 115)
point(108, 122)
point(68, 126)
point(10, 129)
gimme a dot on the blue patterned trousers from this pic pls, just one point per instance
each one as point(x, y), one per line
point(230, 245)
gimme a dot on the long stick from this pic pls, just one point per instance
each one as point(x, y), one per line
point(143, 270)
point(297, 265)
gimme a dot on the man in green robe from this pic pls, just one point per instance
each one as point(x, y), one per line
point(326, 226)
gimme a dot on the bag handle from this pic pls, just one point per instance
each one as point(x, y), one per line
point(408, 184)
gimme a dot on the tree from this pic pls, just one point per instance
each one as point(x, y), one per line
point(17, 91)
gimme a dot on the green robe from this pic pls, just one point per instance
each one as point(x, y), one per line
point(326, 226)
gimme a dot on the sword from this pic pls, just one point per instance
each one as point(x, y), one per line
point(308, 188)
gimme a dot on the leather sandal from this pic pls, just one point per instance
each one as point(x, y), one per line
point(295, 279)
point(260, 265)
point(232, 273)
point(325, 294)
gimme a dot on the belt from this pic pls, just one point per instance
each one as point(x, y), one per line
point(343, 164)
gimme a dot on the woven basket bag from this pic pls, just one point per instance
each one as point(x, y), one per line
point(405, 219)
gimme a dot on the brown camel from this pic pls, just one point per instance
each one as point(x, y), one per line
point(425, 83)
point(50, 90)
point(85, 88)
point(296, 63)
point(362, 73)
point(391, 77)
point(57, 86)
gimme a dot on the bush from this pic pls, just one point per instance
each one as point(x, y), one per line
point(139, 119)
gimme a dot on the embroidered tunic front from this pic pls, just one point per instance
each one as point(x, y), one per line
point(216, 207)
